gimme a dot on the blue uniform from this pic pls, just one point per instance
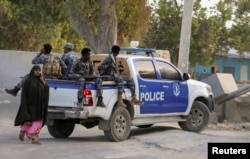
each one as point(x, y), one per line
point(106, 68)
point(42, 59)
point(87, 69)
point(70, 59)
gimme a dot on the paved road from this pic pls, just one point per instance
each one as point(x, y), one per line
point(159, 142)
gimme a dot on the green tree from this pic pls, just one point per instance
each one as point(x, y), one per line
point(100, 22)
point(209, 33)
point(240, 32)
point(165, 26)
point(208, 36)
point(5, 17)
point(95, 21)
point(5, 14)
point(26, 25)
point(33, 23)
point(133, 18)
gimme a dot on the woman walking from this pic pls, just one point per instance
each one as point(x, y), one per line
point(32, 112)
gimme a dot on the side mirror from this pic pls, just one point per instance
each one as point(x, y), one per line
point(186, 76)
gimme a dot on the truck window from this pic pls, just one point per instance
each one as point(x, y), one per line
point(146, 69)
point(167, 71)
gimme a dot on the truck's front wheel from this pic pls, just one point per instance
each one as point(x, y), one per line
point(197, 119)
point(120, 125)
point(61, 128)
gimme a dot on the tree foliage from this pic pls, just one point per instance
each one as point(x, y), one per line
point(26, 25)
point(239, 36)
point(5, 14)
point(165, 26)
point(95, 21)
point(105, 23)
point(133, 17)
point(29, 24)
point(208, 35)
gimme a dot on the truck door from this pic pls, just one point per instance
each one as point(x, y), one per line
point(176, 90)
point(149, 87)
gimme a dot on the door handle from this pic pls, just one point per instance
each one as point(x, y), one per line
point(165, 87)
point(142, 86)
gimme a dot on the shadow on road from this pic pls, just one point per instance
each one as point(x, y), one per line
point(151, 130)
point(101, 138)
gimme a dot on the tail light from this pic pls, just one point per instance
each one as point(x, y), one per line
point(87, 97)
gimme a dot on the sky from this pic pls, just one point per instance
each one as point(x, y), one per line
point(208, 3)
point(204, 3)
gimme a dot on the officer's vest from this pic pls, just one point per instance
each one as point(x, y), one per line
point(87, 67)
point(52, 68)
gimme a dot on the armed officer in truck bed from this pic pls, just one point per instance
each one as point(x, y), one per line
point(53, 67)
point(109, 67)
point(70, 59)
point(84, 69)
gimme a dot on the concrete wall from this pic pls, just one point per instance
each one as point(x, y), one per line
point(13, 65)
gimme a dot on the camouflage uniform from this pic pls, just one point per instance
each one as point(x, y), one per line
point(70, 59)
point(42, 59)
point(45, 58)
point(106, 69)
point(87, 69)
point(20, 83)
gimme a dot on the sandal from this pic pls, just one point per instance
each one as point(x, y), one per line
point(34, 140)
point(21, 135)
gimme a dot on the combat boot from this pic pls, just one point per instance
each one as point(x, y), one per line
point(100, 102)
point(13, 91)
point(120, 102)
point(135, 101)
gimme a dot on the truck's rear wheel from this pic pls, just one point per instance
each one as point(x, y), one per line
point(120, 125)
point(61, 128)
point(198, 119)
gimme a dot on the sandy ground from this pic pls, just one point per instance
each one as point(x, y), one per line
point(160, 141)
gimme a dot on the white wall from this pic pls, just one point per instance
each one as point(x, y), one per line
point(14, 64)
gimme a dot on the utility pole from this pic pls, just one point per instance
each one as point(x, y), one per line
point(183, 59)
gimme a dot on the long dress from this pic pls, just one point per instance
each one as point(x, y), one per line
point(34, 104)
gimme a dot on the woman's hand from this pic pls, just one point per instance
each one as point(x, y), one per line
point(42, 79)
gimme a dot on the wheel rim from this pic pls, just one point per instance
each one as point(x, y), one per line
point(195, 117)
point(120, 124)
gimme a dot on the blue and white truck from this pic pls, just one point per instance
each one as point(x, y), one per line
point(168, 95)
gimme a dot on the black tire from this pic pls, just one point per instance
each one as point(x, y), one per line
point(144, 126)
point(120, 125)
point(198, 119)
point(61, 128)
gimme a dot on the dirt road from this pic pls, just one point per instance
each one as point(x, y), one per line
point(161, 141)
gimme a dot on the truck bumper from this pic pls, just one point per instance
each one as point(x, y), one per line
point(76, 114)
point(67, 114)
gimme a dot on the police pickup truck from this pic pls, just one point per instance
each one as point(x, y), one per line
point(168, 95)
